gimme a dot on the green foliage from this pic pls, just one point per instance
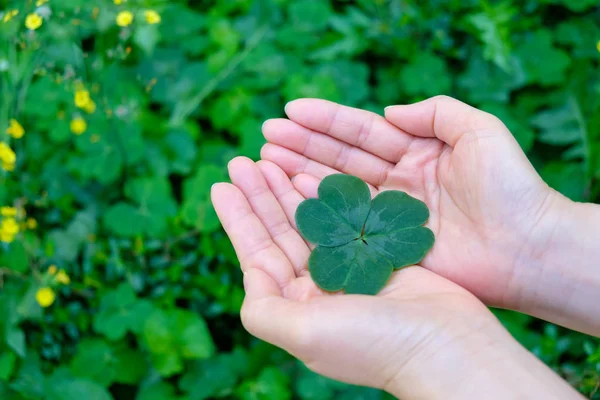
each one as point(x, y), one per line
point(121, 312)
point(361, 241)
point(151, 307)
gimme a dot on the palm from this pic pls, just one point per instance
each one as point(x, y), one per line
point(329, 332)
point(464, 164)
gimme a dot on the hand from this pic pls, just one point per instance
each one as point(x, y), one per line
point(409, 339)
point(490, 211)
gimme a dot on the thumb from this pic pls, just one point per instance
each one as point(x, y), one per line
point(443, 117)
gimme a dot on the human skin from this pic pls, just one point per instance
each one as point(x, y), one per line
point(501, 232)
point(422, 337)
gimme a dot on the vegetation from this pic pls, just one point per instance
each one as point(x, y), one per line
point(116, 281)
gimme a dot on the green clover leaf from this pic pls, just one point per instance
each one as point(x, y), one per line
point(361, 241)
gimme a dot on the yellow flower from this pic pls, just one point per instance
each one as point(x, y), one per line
point(152, 17)
point(9, 226)
point(119, 2)
point(6, 237)
point(8, 229)
point(45, 297)
point(82, 98)
point(78, 125)
point(598, 46)
point(124, 18)
point(33, 21)
point(90, 107)
point(62, 277)
point(31, 223)
point(8, 212)
point(52, 270)
point(15, 129)
point(9, 14)
point(7, 157)
point(41, 2)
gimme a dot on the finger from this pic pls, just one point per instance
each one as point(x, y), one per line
point(327, 150)
point(282, 188)
point(288, 196)
point(443, 117)
point(246, 175)
point(358, 128)
point(251, 241)
point(293, 163)
point(307, 185)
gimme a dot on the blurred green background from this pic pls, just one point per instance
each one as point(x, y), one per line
point(116, 281)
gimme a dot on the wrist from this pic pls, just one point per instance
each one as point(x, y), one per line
point(485, 363)
point(557, 274)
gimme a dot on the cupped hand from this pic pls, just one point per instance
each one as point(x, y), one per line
point(421, 337)
point(490, 211)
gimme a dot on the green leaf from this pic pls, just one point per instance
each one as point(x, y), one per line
point(339, 214)
point(354, 267)
point(484, 81)
point(124, 219)
point(197, 209)
point(361, 241)
point(426, 74)
point(175, 335)
point(309, 15)
point(181, 149)
point(543, 63)
point(312, 386)
point(251, 138)
point(158, 391)
point(155, 205)
point(30, 382)
point(216, 377)
point(560, 126)
point(270, 384)
point(15, 339)
point(493, 29)
point(167, 364)
point(574, 5)
point(120, 312)
point(581, 34)
point(351, 78)
point(146, 37)
point(63, 386)
point(394, 228)
point(68, 242)
point(7, 364)
point(130, 365)
point(310, 83)
point(15, 257)
point(94, 361)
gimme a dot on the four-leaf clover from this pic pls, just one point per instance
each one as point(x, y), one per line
point(361, 241)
